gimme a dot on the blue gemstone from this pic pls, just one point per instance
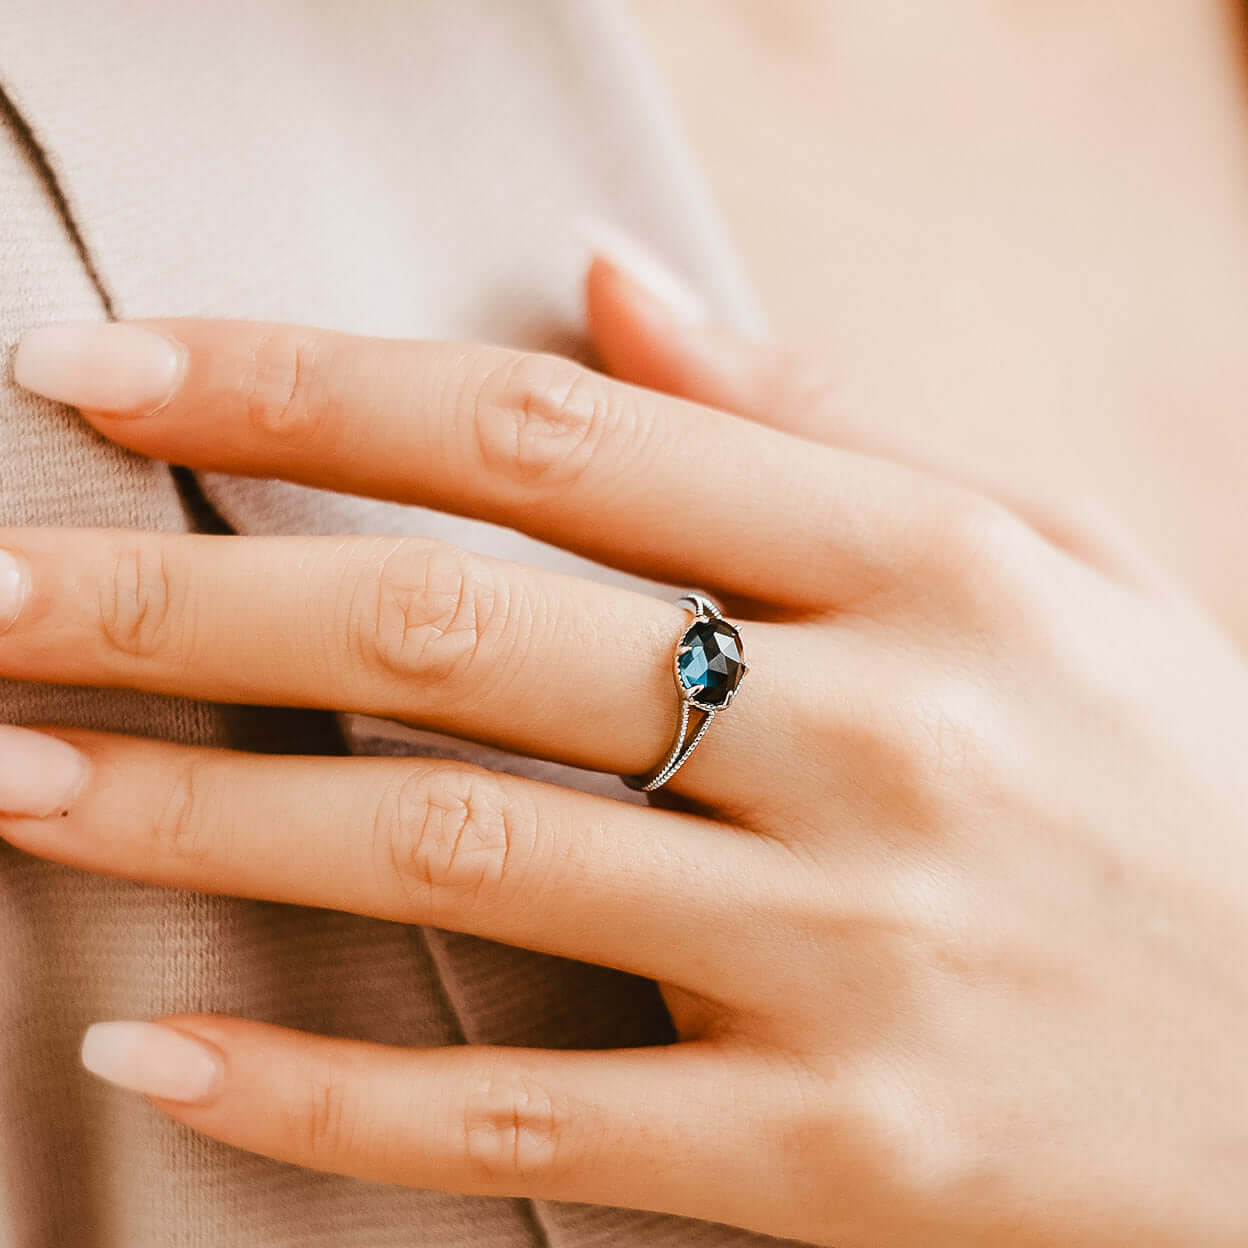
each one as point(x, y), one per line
point(713, 661)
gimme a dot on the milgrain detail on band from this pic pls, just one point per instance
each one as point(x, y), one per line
point(709, 666)
point(682, 747)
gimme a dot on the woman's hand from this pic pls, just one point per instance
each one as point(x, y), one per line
point(952, 918)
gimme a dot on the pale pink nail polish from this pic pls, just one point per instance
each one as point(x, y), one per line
point(639, 263)
point(153, 1059)
point(13, 588)
point(40, 775)
point(106, 367)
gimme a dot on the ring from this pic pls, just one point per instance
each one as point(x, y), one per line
point(709, 667)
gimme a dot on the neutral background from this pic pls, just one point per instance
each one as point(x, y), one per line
point(1017, 230)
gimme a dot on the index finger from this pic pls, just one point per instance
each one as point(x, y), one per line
point(643, 481)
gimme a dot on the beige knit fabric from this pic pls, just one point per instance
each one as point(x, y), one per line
point(398, 168)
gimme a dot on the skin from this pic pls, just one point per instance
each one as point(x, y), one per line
point(949, 908)
point(1014, 234)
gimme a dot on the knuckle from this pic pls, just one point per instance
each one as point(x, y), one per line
point(318, 1123)
point(944, 731)
point(1093, 531)
point(1088, 518)
point(908, 1143)
point(974, 531)
point(279, 392)
point(803, 382)
point(181, 830)
point(429, 612)
point(142, 601)
point(539, 419)
point(447, 837)
point(880, 1126)
point(514, 1131)
point(934, 1149)
point(981, 555)
point(916, 741)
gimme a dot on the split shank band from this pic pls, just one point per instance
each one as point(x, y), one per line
point(709, 666)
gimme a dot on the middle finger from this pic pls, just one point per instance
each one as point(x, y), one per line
point(641, 481)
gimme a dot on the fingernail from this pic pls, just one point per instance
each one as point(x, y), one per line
point(651, 274)
point(106, 367)
point(13, 589)
point(153, 1059)
point(40, 775)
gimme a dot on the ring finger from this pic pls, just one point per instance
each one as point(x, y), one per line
point(532, 661)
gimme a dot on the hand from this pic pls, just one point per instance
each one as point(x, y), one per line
point(951, 917)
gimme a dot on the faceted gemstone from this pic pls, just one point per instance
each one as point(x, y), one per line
point(713, 661)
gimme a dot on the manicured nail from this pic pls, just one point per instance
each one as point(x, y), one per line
point(13, 589)
point(153, 1059)
point(650, 273)
point(40, 775)
point(106, 367)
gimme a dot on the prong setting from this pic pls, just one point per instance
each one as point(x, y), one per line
point(708, 666)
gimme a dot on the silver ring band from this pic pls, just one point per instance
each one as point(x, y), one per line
point(709, 666)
